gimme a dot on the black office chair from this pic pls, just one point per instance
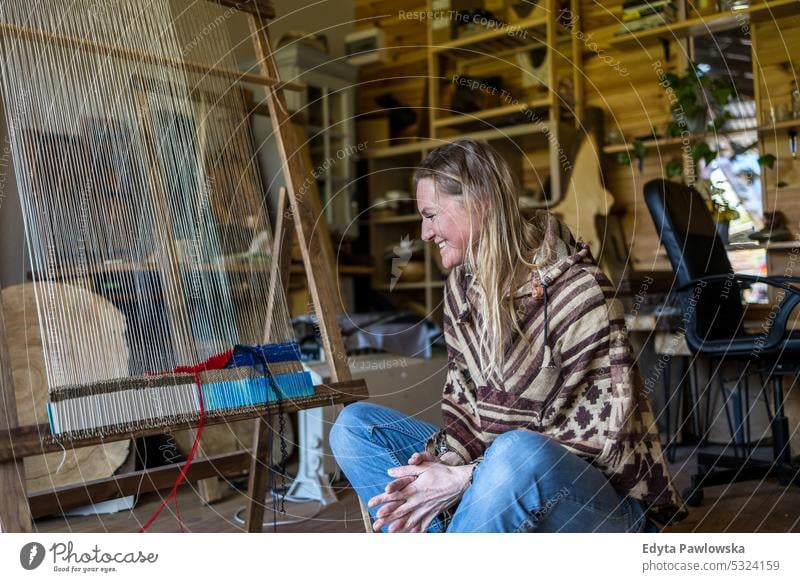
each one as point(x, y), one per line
point(709, 293)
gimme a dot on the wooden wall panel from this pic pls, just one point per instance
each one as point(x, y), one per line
point(777, 51)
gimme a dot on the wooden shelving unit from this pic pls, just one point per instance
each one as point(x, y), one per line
point(770, 85)
point(327, 103)
point(788, 124)
point(392, 169)
point(452, 120)
point(500, 39)
point(709, 136)
point(710, 23)
point(528, 123)
point(494, 133)
point(529, 110)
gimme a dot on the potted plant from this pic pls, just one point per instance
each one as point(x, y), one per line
point(639, 151)
point(722, 212)
point(698, 151)
point(697, 95)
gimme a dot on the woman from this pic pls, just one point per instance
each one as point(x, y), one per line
point(545, 424)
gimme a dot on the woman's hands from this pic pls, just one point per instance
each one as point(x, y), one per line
point(422, 489)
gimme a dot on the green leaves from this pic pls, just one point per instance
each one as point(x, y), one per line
point(702, 151)
point(639, 151)
point(673, 168)
point(767, 160)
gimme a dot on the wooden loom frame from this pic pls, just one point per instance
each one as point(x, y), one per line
point(18, 442)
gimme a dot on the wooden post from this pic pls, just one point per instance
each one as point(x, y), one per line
point(320, 282)
point(279, 270)
point(14, 511)
point(259, 473)
point(280, 267)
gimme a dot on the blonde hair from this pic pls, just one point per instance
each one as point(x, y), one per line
point(475, 173)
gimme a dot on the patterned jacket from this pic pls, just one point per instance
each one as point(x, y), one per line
point(576, 381)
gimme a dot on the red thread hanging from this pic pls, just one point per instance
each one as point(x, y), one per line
point(216, 362)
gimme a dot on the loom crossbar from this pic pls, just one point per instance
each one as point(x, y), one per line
point(142, 57)
point(25, 441)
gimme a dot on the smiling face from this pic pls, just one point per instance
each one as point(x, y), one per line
point(445, 223)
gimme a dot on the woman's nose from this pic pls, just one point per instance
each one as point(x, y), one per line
point(427, 231)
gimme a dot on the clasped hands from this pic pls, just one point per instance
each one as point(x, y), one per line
point(420, 491)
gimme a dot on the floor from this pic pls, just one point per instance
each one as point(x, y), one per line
point(221, 516)
point(743, 507)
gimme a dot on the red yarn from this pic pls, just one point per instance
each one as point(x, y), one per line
point(216, 362)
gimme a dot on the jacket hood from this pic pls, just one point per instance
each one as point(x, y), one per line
point(558, 252)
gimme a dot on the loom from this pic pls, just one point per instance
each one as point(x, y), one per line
point(136, 171)
point(156, 175)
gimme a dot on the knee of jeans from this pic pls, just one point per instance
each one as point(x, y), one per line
point(522, 455)
point(352, 420)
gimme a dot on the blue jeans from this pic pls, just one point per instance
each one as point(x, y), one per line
point(526, 482)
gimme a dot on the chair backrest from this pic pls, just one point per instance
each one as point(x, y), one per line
point(688, 234)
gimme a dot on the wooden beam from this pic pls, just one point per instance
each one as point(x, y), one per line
point(259, 474)
point(263, 8)
point(20, 442)
point(260, 469)
point(300, 192)
point(280, 269)
point(144, 481)
point(140, 57)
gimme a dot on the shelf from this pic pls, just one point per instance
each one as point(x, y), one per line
point(397, 56)
point(468, 59)
point(319, 130)
point(462, 118)
point(340, 269)
point(754, 246)
point(708, 24)
point(354, 270)
point(502, 132)
point(396, 219)
point(501, 39)
point(750, 246)
point(695, 137)
point(672, 141)
point(488, 135)
point(411, 286)
point(788, 124)
point(416, 147)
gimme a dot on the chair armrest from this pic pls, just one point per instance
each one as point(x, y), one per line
point(777, 330)
point(749, 279)
point(784, 279)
